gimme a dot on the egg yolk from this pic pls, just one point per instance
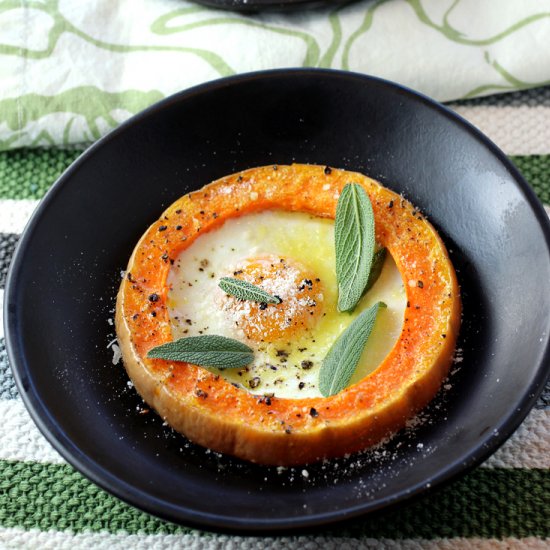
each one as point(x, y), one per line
point(300, 294)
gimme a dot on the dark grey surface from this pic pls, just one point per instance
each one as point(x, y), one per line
point(8, 242)
point(533, 97)
point(59, 299)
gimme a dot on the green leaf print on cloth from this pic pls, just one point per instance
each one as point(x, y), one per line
point(71, 71)
point(86, 102)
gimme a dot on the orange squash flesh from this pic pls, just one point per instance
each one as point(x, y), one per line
point(211, 411)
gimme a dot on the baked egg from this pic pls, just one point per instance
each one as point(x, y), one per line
point(289, 255)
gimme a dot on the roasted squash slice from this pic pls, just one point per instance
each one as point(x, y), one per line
point(211, 411)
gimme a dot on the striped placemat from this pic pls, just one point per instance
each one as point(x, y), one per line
point(45, 503)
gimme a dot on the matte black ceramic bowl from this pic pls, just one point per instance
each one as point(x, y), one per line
point(269, 5)
point(61, 293)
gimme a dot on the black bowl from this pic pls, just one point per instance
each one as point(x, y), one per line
point(252, 6)
point(61, 290)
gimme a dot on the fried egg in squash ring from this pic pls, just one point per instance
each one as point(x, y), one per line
point(273, 226)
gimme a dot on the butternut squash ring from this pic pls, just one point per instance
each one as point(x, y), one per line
point(212, 412)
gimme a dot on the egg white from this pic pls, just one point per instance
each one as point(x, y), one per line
point(291, 368)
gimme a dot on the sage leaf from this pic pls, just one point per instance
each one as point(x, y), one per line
point(342, 359)
point(244, 290)
point(376, 268)
point(354, 243)
point(207, 351)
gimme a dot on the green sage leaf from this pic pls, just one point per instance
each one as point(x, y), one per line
point(376, 269)
point(244, 290)
point(354, 243)
point(342, 359)
point(206, 351)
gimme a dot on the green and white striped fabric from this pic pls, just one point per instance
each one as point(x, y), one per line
point(505, 503)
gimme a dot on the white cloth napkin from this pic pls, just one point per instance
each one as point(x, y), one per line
point(72, 70)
